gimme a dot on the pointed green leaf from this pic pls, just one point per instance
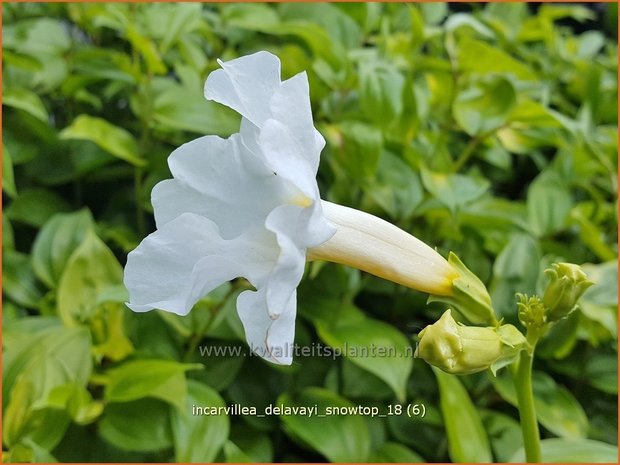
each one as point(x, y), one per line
point(113, 139)
point(340, 438)
point(467, 439)
point(199, 438)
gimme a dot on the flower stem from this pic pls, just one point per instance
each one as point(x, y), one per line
point(527, 410)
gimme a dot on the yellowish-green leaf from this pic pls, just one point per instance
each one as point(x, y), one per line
point(109, 137)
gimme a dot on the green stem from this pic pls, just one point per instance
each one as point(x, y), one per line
point(527, 410)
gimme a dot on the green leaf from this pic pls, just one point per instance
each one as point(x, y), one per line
point(91, 268)
point(18, 280)
point(77, 401)
point(255, 445)
point(26, 100)
point(396, 187)
point(467, 438)
point(381, 92)
point(573, 451)
point(35, 206)
point(454, 190)
point(179, 107)
point(174, 21)
point(33, 368)
point(549, 203)
point(355, 337)
point(504, 433)
point(357, 148)
point(479, 57)
point(342, 29)
point(37, 36)
point(161, 379)
point(147, 48)
point(556, 408)
point(113, 139)
point(66, 350)
point(339, 438)
point(234, 454)
point(393, 452)
point(142, 425)
point(8, 236)
point(8, 179)
point(109, 331)
point(484, 108)
point(55, 243)
point(198, 439)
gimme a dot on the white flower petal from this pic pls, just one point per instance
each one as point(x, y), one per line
point(269, 338)
point(246, 85)
point(185, 259)
point(290, 105)
point(286, 222)
point(220, 180)
point(282, 152)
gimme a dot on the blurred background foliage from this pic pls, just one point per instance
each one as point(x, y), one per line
point(486, 129)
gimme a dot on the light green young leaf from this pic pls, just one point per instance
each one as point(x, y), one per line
point(146, 48)
point(161, 379)
point(110, 138)
point(26, 100)
point(467, 438)
point(479, 57)
point(68, 348)
point(91, 268)
point(482, 109)
point(55, 243)
point(339, 438)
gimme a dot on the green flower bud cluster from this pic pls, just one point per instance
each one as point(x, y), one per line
point(567, 283)
point(459, 349)
point(532, 311)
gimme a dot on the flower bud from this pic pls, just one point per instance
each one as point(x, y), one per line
point(460, 349)
point(532, 312)
point(469, 295)
point(567, 282)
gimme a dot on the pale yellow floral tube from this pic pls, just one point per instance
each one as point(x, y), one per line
point(373, 245)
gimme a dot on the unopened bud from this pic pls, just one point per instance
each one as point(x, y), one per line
point(532, 311)
point(469, 296)
point(567, 282)
point(460, 349)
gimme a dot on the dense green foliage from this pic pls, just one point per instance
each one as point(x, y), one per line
point(491, 132)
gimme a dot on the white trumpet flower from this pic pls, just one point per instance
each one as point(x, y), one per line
point(249, 206)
